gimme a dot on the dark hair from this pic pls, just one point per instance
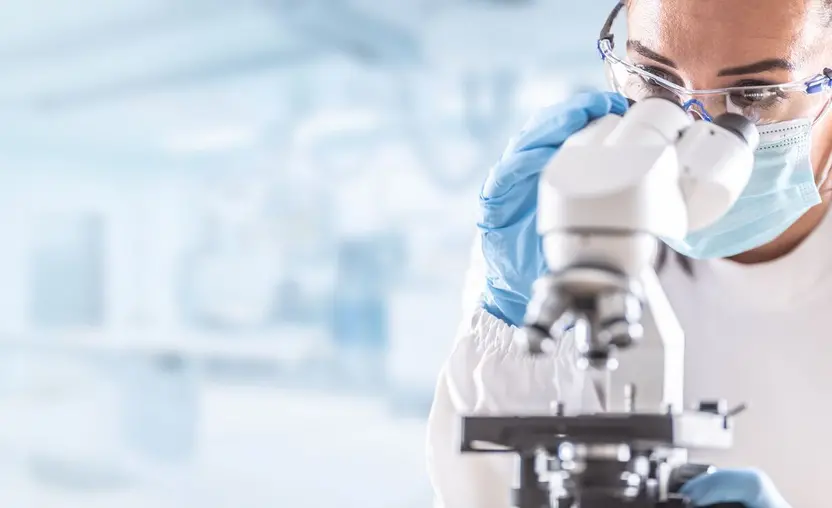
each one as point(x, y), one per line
point(827, 12)
point(666, 255)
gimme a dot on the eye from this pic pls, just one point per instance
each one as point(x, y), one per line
point(761, 99)
point(641, 85)
point(662, 74)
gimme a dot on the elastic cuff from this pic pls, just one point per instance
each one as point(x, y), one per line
point(491, 333)
point(512, 312)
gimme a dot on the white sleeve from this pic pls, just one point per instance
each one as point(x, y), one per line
point(487, 374)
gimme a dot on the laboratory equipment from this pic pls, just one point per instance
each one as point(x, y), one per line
point(610, 192)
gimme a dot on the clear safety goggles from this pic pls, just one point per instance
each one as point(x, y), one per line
point(761, 104)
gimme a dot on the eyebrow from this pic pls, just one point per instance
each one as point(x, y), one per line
point(754, 68)
point(646, 52)
point(762, 66)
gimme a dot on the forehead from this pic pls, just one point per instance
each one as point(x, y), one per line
point(726, 33)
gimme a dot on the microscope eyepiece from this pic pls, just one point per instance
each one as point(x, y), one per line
point(740, 126)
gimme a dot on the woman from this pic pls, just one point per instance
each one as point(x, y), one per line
point(751, 291)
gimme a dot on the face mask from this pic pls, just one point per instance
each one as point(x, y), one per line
point(781, 189)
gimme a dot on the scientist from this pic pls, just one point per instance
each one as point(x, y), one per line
point(752, 291)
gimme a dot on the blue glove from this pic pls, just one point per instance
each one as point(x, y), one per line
point(747, 486)
point(508, 202)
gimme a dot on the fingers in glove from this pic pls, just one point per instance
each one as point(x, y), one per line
point(553, 125)
point(549, 129)
point(748, 487)
point(520, 174)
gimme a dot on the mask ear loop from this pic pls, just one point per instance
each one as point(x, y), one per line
point(824, 176)
point(823, 112)
point(828, 85)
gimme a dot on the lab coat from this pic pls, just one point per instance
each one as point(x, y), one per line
point(757, 334)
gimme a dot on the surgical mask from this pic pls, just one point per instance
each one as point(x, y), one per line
point(781, 189)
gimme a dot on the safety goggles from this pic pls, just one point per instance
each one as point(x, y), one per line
point(761, 104)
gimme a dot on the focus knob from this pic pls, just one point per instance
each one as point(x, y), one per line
point(685, 473)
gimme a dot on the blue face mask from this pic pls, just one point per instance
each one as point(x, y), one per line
point(781, 189)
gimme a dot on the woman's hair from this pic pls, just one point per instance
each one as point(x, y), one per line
point(667, 255)
point(825, 12)
point(823, 8)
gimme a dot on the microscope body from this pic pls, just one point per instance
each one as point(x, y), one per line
point(605, 198)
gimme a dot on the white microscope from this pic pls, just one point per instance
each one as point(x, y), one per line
point(607, 196)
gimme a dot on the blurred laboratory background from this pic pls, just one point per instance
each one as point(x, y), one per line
point(234, 234)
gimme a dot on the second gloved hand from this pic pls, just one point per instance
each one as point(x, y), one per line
point(751, 488)
point(508, 201)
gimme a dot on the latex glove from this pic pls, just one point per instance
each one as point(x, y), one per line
point(752, 488)
point(508, 202)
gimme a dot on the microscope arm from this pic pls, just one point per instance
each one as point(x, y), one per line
point(605, 198)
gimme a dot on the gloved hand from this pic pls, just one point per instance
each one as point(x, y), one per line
point(508, 201)
point(747, 486)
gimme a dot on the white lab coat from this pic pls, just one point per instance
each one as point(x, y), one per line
point(756, 334)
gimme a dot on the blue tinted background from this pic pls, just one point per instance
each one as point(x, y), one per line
point(233, 236)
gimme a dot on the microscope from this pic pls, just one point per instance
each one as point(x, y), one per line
point(605, 198)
